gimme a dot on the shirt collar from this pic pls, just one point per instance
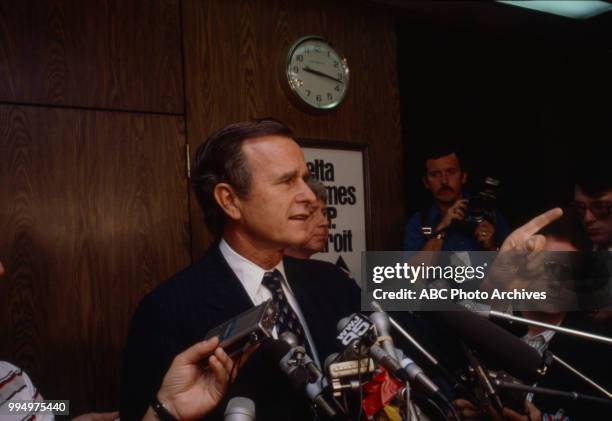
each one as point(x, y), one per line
point(546, 335)
point(248, 273)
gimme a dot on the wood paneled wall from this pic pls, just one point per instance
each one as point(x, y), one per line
point(234, 54)
point(111, 54)
point(98, 100)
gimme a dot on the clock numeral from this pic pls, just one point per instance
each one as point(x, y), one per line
point(307, 92)
point(329, 96)
point(340, 76)
point(296, 69)
point(319, 98)
point(317, 48)
point(336, 64)
point(299, 58)
point(337, 88)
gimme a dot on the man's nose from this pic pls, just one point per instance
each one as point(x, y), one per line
point(588, 216)
point(445, 179)
point(306, 194)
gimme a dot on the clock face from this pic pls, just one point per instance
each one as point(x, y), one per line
point(317, 73)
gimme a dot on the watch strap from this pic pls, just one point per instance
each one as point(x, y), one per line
point(161, 411)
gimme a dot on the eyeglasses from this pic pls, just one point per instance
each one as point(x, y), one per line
point(600, 209)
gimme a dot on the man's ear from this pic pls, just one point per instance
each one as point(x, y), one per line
point(464, 176)
point(228, 200)
point(425, 183)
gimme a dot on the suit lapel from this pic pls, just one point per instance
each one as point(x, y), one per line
point(229, 296)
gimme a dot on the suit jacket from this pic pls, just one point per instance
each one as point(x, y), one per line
point(179, 313)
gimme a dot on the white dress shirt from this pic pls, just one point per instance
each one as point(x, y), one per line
point(250, 276)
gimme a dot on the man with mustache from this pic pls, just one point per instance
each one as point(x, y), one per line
point(445, 178)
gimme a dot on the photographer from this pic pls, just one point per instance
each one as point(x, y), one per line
point(454, 223)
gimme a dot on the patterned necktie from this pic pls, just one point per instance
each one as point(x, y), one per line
point(287, 319)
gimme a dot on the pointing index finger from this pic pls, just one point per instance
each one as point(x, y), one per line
point(540, 221)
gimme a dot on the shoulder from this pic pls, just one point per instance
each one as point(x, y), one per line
point(415, 219)
point(195, 276)
point(192, 287)
point(16, 383)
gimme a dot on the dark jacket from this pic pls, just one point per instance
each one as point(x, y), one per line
point(179, 313)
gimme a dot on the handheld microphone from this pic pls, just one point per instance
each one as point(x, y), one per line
point(239, 409)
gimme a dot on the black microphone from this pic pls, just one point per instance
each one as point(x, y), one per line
point(302, 372)
point(496, 346)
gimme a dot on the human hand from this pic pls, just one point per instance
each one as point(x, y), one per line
point(533, 413)
point(485, 235)
point(190, 391)
point(455, 212)
point(525, 239)
point(467, 410)
point(520, 251)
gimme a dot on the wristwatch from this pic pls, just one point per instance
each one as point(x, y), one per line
point(438, 235)
point(161, 411)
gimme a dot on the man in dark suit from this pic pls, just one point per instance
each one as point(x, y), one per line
point(250, 180)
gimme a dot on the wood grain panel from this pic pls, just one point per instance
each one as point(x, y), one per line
point(94, 214)
point(234, 54)
point(110, 54)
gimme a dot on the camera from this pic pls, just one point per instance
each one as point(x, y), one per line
point(481, 206)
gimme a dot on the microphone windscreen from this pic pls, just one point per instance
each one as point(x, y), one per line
point(342, 323)
point(240, 409)
point(498, 348)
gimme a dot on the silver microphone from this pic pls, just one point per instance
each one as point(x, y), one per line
point(240, 409)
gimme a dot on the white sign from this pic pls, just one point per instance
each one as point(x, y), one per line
point(341, 171)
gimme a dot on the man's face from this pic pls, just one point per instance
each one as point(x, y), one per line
point(596, 216)
point(444, 178)
point(319, 226)
point(277, 210)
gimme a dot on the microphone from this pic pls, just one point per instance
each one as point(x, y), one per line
point(358, 330)
point(302, 372)
point(382, 323)
point(497, 346)
point(416, 375)
point(239, 409)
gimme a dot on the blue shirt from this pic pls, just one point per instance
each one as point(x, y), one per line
point(414, 239)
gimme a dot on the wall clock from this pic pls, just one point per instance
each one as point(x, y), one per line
point(317, 74)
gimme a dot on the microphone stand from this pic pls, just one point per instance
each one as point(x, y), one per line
point(455, 383)
point(560, 329)
point(491, 394)
point(580, 375)
point(551, 392)
point(573, 332)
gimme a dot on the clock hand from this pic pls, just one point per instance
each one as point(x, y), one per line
point(319, 73)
